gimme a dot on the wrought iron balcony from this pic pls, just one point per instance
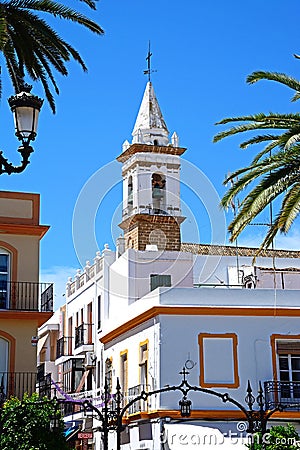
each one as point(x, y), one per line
point(17, 383)
point(64, 347)
point(44, 382)
point(83, 335)
point(140, 405)
point(285, 393)
point(26, 296)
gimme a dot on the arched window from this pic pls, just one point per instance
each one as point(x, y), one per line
point(4, 278)
point(158, 185)
point(130, 191)
point(4, 366)
point(158, 192)
point(4, 349)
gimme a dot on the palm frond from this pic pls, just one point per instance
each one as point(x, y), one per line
point(267, 150)
point(29, 44)
point(274, 172)
point(290, 208)
point(282, 78)
point(56, 10)
point(259, 139)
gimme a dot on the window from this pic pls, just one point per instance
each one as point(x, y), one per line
point(124, 371)
point(90, 323)
point(4, 348)
point(159, 280)
point(4, 351)
point(144, 365)
point(72, 374)
point(99, 312)
point(98, 374)
point(288, 354)
point(4, 279)
point(108, 373)
point(158, 192)
point(145, 431)
point(70, 334)
point(130, 192)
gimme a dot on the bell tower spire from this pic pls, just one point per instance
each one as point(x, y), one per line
point(150, 126)
point(151, 180)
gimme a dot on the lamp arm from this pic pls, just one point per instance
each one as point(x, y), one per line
point(7, 167)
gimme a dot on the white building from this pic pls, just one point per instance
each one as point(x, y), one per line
point(154, 306)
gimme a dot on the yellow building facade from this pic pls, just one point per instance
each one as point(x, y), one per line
point(25, 303)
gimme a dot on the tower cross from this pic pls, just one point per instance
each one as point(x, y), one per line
point(148, 59)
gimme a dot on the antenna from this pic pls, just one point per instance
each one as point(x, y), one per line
point(148, 59)
point(235, 208)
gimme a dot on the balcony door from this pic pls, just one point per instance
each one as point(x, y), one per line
point(289, 374)
point(4, 279)
point(4, 354)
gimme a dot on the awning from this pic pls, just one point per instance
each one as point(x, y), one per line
point(193, 437)
point(41, 342)
point(71, 432)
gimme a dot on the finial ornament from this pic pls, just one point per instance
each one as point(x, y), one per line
point(148, 59)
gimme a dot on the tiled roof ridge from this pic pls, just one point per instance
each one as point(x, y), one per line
point(227, 250)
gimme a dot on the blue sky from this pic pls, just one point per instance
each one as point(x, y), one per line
point(202, 51)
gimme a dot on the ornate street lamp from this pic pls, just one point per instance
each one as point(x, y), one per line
point(25, 108)
point(185, 407)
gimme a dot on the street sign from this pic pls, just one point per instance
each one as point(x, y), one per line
point(84, 435)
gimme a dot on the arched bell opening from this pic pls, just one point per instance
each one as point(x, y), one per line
point(158, 192)
point(130, 192)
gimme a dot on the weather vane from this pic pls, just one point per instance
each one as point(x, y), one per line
point(148, 59)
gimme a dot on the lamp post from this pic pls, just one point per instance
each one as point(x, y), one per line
point(25, 108)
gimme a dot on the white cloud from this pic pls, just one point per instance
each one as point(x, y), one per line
point(59, 276)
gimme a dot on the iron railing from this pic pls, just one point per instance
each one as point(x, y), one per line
point(44, 384)
point(64, 347)
point(17, 383)
point(284, 393)
point(83, 335)
point(26, 296)
point(140, 405)
point(151, 210)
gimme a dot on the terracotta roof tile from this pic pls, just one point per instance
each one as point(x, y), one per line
point(227, 250)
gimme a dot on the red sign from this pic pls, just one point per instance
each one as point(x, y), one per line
point(85, 435)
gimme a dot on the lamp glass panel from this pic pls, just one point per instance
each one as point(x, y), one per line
point(26, 119)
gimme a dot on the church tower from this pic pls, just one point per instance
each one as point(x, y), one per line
point(151, 181)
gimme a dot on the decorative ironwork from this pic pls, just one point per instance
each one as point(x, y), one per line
point(113, 408)
point(83, 335)
point(282, 393)
point(26, 296)
point(140, 405)
point(64, 347)
point(17, 383)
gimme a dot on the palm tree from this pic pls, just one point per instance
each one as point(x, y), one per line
point(29, 45)
point(274, 172)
